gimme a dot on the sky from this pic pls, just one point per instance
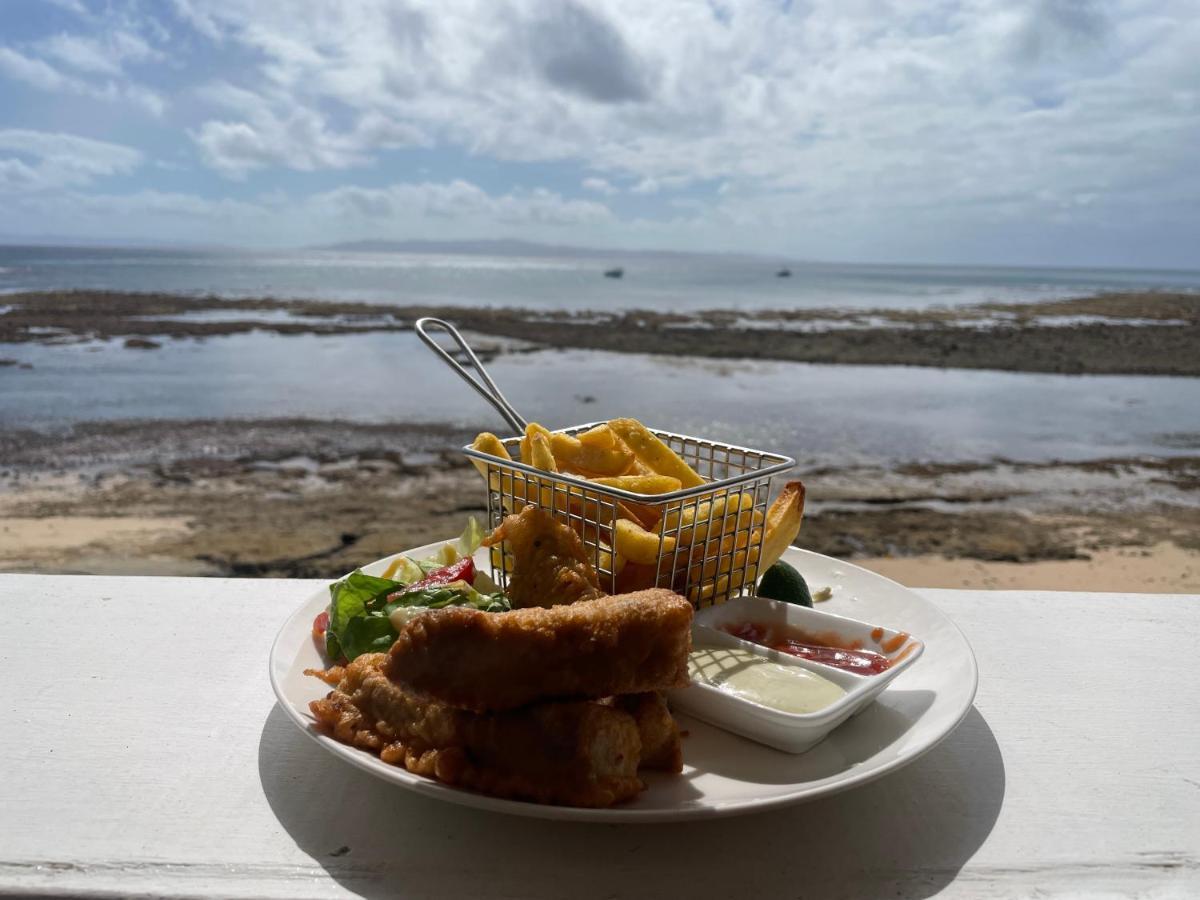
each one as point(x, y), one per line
point(1054, 132)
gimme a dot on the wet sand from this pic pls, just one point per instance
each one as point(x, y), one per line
point(1132, 333)
point(305, 498)
point(1158, 568)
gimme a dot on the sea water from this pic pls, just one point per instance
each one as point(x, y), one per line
point(820, 414)
point(657, 282)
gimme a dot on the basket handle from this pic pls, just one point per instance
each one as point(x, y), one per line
point(484, 386)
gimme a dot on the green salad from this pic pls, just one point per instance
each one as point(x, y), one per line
point(366, 611)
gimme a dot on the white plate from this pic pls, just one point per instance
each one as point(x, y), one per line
point(723, 774)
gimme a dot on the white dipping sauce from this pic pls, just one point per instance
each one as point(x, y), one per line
point(752, 677)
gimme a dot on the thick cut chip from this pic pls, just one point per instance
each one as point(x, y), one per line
point(540, 455)
point(527, 441)
point(601, 436)
point(636, 577)
point(486, 442)
point(642, 484)
point(648, 448)
point(638, 545)
point(586, 459)
point(697, 518)
point(783, 523)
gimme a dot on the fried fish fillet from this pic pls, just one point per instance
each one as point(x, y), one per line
point(550, 564)
point(486, 662)
point(662, 747)
point(574, 753)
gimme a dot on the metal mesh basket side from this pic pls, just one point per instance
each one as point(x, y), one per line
point(715, 541)
point(707, 563)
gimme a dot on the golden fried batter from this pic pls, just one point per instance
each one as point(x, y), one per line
point(550, 565)
point(487, 662)
point(573, 753)
point(661, 744)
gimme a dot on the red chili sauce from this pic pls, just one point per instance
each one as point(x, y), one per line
point(809, 646)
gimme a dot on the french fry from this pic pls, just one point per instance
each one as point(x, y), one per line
point(697, 521)
point(601, 437)
point(500, 560)
point(526, 447)
point(612, 562)
point(783, 523)
point(637, 467)
point(722, 587)
point(486, 442)
point(645, 515)
point(638, 545)
point(653, 452)
point(635, 577)
point(641, 484)
point(731, 554)
point(586, 459)
point(540, 455)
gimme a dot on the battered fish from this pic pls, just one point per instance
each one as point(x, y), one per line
point(550, 564)
point(572, 753)
point(486, 662)
point(662, 747)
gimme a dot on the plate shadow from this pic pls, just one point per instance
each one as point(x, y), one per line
point(906, 835)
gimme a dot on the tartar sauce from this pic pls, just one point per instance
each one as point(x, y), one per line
point(747, 675)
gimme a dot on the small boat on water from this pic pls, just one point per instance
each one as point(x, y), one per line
point(785, 272)
point(614, 273)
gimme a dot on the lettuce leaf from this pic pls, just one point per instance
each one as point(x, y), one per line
point(456, 593)
point(359, 610)
point(372, 633)
point(350, 601)
point(471, 538)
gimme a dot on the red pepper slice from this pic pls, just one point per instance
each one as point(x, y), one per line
point(463, 570)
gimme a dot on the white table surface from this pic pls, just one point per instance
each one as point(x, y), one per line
point(143, 754)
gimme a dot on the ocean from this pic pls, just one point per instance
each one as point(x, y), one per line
point(822, 414)
point(663, 282)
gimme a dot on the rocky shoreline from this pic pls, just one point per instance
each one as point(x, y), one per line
point(1145, 333)
point(305, 498)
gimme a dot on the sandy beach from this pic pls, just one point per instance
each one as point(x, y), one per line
point(302, 498)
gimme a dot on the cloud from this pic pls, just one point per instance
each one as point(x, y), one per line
point(36, 72)
point(104, 55)
point(598, 186)
point(827, 127)
point(46, 160)
point(193, 14)
point(86, 56)
point(458, 200)
point(81, 53)
point(72, 6)
point(576, 49)
point(273, 134)
point(434, 209)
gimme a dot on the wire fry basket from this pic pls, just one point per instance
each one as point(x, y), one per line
point(710, 536)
